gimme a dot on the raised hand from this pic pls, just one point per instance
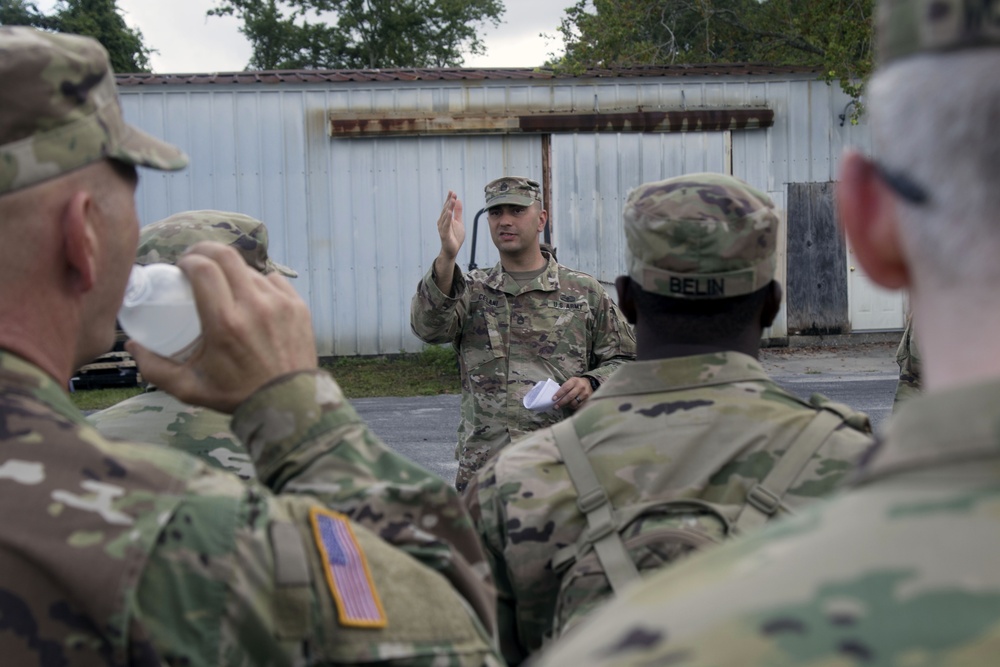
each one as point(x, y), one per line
point(451, 229)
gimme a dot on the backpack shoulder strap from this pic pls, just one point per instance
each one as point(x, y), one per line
point(592, 500)
point(765, 497)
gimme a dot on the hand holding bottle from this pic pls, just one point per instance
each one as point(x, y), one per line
point(159, 311)
point(255, 328)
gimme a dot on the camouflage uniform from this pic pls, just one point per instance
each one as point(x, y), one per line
point(155, 416)
point(560, 325)
point(899, 569)
point(121, 553)
point(908, 358)
point(902, 570)
point(159, 554)
point(704, 427)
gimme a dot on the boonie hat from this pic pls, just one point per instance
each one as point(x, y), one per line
point(165, 241)
point(59, 110)
point(910, 27)
point(515, 190)
point(700, 236)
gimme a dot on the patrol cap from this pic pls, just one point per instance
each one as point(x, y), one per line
point(909, 27)
point(515, 190)
point(59, 110)
point(165, 241)
point(700, 236)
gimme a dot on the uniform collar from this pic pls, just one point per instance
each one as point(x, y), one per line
point(698, 370)
point(547, 281)
point(15, 371)
point(939, 429)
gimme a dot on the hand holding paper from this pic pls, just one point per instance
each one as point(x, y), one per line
point(539, 399)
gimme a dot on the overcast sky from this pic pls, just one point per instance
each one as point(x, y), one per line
point(188, 41)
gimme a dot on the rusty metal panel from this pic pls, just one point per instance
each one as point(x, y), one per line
point(779, 329)
point(817, 296)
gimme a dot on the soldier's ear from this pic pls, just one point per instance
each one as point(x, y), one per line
point(543, 217)
point(626, 298)
point(78, 223)
point(868, 212)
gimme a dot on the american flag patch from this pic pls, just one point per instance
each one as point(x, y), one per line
point(346, 569)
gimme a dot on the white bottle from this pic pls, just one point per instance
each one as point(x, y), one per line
point(159, 311)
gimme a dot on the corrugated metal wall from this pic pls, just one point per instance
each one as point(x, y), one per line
point(356, 217)
point(592, 175)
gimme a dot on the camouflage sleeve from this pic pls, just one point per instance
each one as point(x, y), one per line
point(304, 437)
point(908, 359)
point(256, 580)
point(614, 340)
point(487, 514)
point(436, 317)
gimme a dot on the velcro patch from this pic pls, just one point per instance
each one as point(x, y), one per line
point(346, 570)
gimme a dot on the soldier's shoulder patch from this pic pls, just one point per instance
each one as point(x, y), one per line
point(346, 570)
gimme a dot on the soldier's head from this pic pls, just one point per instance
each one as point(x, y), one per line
point(166, 240)
point(515, 213)
point(67, 181)
point(701, 252)
point(923, 212)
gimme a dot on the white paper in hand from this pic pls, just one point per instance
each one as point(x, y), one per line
point(539, 399)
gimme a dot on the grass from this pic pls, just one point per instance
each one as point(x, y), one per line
point(98, 399)
point(433, 371)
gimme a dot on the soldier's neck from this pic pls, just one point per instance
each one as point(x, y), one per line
point(655, 345)
point(528, 260)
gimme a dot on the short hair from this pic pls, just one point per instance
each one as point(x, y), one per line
point(699, 321)
point(935, 118)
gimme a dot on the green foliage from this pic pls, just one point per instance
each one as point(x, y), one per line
point(440, 357)
point(100, 19)
point(360, 34)
point(21, 12)
point(835, 36)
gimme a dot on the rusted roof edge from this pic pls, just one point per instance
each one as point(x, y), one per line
point(275, 77)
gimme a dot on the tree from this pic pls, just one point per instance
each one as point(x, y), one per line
point(834, 35)
point(358, 34)
point(21, 12)
point(100, 19)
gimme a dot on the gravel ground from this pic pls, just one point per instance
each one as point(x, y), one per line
point(866, 359)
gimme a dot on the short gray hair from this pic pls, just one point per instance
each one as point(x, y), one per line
point(936, 118)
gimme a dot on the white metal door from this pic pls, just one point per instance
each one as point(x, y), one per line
point(872, 308)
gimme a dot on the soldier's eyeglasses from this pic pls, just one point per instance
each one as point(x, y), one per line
point(902, 185)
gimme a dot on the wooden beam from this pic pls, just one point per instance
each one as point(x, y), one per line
point(689, 120)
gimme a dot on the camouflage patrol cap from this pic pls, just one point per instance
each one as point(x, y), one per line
point(59, 110)
point(700, 236)
point(165, 241)
point(909, 27)
point(513, 190)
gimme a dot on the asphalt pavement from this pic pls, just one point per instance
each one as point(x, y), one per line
point(862, 376)
point(421, 428)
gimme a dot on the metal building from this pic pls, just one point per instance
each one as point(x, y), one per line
point(349, 170)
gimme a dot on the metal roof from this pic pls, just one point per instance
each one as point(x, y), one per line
point(454, 74)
